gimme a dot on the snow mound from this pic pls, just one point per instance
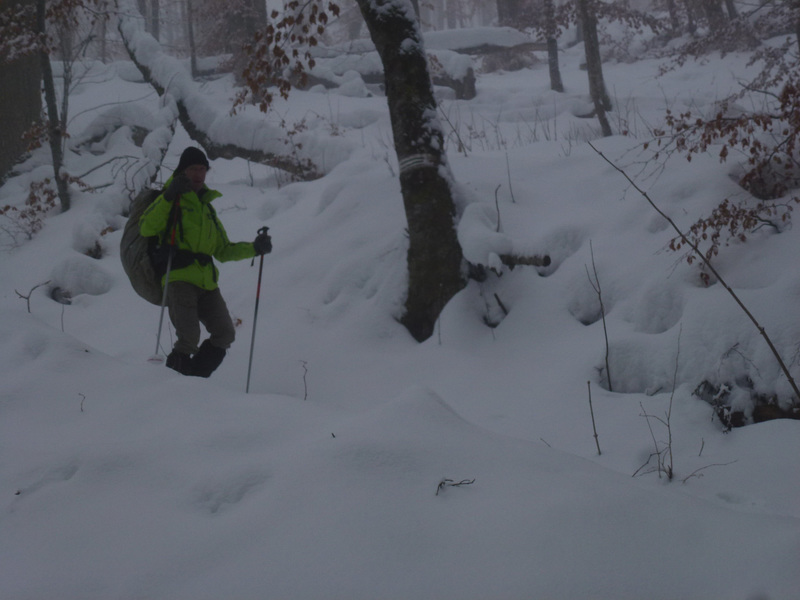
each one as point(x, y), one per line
point(80, 274)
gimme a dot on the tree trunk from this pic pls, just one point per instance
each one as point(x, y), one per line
point(55, 133)
point(434, 255)
point(439, 12)
point(260, 12)
point(673, 16)
point(797, 27)
point(691, 19)
point(190, 35)
point(507, 12)
point(450, 12)
point(155, 19)
point(712, 9)
point(103, 38)
point(552, 61)
point(66, 37)
point(552, 47)
point(594, 65)
point(20, 104)
point(142, 5)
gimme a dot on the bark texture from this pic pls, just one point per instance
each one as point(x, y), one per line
point(434, 255)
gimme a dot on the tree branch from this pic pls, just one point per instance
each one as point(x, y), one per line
point(711, 268)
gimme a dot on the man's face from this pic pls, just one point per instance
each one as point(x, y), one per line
point(197, 176)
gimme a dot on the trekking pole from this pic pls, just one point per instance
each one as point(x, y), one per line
point(156, 357)
point(255, 315)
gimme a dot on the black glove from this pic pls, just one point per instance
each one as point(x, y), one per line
point(177, 188)
point(262, 243)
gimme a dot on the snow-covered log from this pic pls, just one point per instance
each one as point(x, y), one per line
point(221, 135)
point(481, 40)
point(450, 57)
point(447, 69)
point(151, 132)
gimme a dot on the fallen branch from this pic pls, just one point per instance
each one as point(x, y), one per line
point(596, 287)
point(696, 471)
point(594, 426)
point(30, 293)
point(450, 483)
point(501, 305)
point(513, 260)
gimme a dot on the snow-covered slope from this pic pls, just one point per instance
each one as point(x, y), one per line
point(333, 477)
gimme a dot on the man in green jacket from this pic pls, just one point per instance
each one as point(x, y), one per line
point(185, 221)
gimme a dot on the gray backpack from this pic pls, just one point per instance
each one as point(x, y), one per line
point(136, 251)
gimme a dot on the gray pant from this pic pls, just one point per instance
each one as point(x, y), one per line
point(189, 306)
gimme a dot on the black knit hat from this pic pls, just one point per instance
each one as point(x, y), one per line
point(191, 156)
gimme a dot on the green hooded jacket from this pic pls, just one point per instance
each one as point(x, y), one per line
point(197, 230)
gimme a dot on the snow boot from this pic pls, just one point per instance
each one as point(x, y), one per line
point(180, 362)
point(207, 359)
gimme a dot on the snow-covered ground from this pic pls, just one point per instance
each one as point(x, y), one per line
point(334, 477)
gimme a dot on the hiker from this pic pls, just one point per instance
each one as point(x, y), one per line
point(185, 221)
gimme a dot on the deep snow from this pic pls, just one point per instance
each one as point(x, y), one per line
point(121, 479)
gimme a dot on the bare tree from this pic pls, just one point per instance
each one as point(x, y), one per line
point(55, 133)
point(40, 29)
point(594, 64)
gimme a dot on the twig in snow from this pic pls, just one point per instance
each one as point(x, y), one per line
point(30, 293)
point(450, 483)
point(695, 472)
point(508, 172)
point(497, 208)
point(305, 382)
point(591, 410)
point(501, 305)
point(596, 287)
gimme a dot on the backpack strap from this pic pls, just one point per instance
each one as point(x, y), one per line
point(212, 211)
